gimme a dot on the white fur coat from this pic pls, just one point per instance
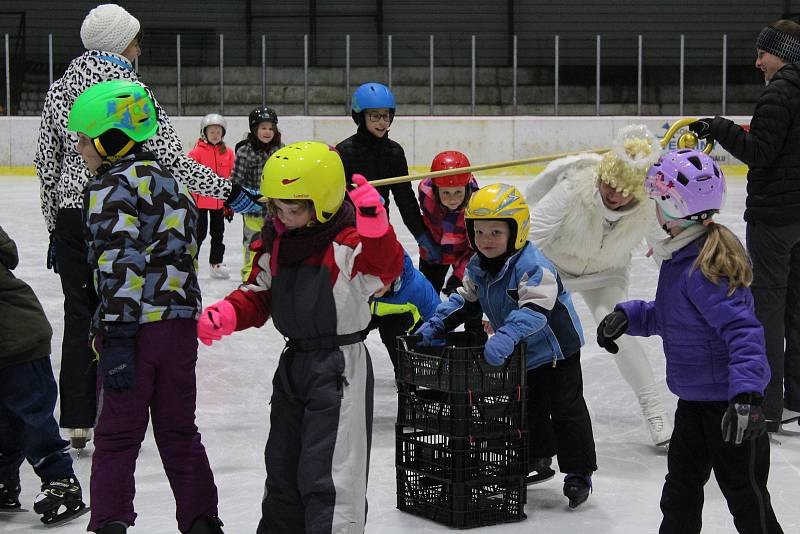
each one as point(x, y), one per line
point(589, 244)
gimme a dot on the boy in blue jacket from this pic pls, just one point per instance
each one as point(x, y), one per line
point(521, 293)
point(402, 305)
point(714, 346)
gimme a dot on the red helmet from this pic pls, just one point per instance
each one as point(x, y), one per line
point(451, 159)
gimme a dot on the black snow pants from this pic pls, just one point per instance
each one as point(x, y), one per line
point(78, 374)
point(775, 253)
point(317, 453)
point(696, 448)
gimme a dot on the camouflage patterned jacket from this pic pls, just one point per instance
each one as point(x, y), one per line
point(140, 225)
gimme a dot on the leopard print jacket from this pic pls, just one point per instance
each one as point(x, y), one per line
point(62, 174)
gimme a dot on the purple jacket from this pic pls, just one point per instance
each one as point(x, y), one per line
point(713, 343)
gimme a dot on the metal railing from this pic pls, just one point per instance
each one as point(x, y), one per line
point(474, 99)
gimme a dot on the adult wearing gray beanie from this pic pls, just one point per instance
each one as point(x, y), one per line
point(771, 149)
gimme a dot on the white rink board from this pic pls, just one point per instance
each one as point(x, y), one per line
point(483, 139)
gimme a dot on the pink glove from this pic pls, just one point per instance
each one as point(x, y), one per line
point(371, 217)
point(216, 321)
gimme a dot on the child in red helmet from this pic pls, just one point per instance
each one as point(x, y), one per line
point(443, 201)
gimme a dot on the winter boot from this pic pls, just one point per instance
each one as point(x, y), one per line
point(59, 501)
point(656, 416)
point(577, 489)
point(9, 496)
point(117, 527)
point(540, 471)
point(206, 525)
point(78, 437)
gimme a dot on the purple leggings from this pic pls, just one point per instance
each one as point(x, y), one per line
point(166, 355)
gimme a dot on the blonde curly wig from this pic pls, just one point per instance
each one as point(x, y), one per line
point(625, 166)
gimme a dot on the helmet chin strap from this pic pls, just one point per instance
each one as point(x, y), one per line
point(113, 158)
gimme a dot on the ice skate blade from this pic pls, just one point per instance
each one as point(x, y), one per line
point(532, 480)
point(67, 519)
point(575, 503)
point(4, 511)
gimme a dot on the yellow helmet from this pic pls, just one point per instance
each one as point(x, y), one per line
point(499, 201)
point(306, 171)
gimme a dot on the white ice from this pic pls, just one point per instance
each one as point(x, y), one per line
point(234, 386)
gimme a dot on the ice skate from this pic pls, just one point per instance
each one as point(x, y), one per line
point(540, 471)
point(59, 501)
point(9, 497)
point(577, 489)
point(206, 525)
point(78, 437)
point(789, 416)
point(220, 271)
point(116, 527)
point(655, 416)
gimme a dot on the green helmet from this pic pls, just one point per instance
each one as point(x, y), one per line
point(116, 104)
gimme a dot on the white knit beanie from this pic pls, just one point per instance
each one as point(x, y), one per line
point(110, 28)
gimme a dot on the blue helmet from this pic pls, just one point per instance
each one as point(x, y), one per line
point(371, 95)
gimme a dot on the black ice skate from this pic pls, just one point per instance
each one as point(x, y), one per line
point(79, 437)
point(577, 489)
point(117, 527)
point(206, 525)
point(59, 501)
point(9, 497)
point(540, 471)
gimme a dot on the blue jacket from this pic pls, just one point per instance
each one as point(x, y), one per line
point(713, 343)
point(412, 292)
point(526, 301)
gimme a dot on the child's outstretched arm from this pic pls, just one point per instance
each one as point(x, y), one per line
point(249, 306)
point(537, 295)
point(641, 318)
point(380, 254)
point(461, 306)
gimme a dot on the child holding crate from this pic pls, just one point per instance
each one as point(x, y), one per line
point(521, 293)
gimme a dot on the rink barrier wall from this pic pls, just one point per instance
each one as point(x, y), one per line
point(483, 139)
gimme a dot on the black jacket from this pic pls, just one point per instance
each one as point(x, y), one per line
point(24, 329)
point(771, 149)
point(377, 158)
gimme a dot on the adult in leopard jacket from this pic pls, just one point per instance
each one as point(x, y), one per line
point(111, 38)
point(588, 214)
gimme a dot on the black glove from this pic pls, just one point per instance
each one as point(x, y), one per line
point(118, 355)
point(743, 419)
point(610, 328)
point(244, 200)
point(452, 284)
point(702, 127)
point(52, 263)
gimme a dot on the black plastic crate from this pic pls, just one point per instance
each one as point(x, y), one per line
point(458, 366)
point(477, 503)
point(459, 414)
point(460, 459)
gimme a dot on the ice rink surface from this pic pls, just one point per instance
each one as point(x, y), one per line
point(234, 386)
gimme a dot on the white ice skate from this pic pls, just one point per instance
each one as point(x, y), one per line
point(655, 416)
point(220, 270)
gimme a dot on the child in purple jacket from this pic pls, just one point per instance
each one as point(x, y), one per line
point(714, 346)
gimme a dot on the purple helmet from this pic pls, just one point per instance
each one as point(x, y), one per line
point(686, 184)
